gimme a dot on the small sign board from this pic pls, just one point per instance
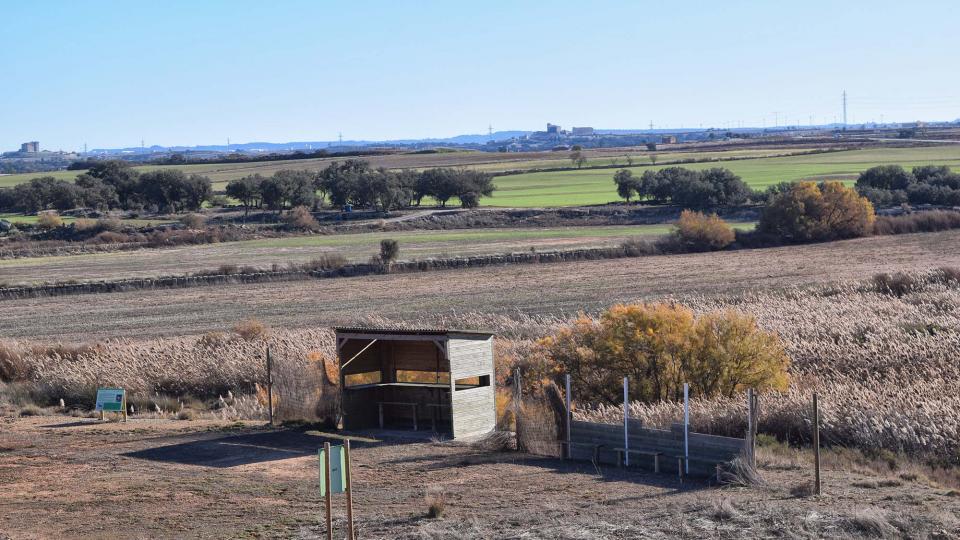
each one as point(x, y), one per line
point(111, 400)
point(337, 466)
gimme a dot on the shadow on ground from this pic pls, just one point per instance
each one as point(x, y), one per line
point(244, 449)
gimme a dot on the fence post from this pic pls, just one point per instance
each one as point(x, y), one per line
point(517, 406)
point(626, 418)
point(270, 384)
point(750, 447)
point(686, 428)
point(816, 444)
point(569, 417)
point(349, 478)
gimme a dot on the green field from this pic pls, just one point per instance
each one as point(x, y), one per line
point(570, 188)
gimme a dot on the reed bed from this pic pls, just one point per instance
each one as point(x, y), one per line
point(885, 366)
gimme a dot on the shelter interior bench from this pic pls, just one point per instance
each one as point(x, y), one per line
point(413, 410)
point(681, 470)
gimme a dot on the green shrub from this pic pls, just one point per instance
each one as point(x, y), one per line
point(810, 212)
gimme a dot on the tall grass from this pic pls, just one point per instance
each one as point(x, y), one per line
point(885, 366)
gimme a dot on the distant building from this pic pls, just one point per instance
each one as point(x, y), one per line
point(668, 139)
point(32, 147)
point(581, 131)
point(552, 129)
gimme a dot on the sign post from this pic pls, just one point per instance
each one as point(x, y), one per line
point(111, 400)
point(335, 478)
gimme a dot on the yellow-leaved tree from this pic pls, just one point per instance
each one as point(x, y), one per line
point(660, 347)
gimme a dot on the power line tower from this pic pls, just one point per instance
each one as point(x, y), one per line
point(340, 138)
point(651, 125)
point(490, 131)
point(844, 107)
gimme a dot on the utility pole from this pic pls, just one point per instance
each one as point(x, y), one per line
point(490, 131)
point(844, 108)
point(340, 138)
point(776, 118)
point(651, 125)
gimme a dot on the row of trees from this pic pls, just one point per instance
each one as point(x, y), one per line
point(890, 185)
point(109, 185)
point(356, 183)
point(686, 187)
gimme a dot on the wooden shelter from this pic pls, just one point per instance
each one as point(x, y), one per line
point(419, 379)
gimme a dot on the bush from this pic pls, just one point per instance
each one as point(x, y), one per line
point(661, 346)
point(930, 221)
point(809, 212)
point(897, 284)
point(699, 232)
point(389, 251)
point(194, 221)
point(49, 220)
point(251, 329)
point(301, 218)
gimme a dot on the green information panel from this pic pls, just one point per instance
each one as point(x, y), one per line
point(110, 399)
point(337, 466)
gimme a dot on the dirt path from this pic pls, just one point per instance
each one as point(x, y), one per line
point(69, 478)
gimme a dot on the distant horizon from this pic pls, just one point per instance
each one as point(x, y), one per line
point(187, 74)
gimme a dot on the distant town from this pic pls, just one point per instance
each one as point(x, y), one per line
point(31, 157)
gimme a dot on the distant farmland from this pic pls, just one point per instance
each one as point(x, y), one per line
point(595, 186)
point(299, 249)
point(758, 167)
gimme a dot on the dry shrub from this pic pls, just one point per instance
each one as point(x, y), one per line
point(495, 441)
point(110, 237)
point(301, 390)
point(897, 284)
point(697, 231)
point(31, 410)
point(724, 510)
point(252, 330)
point(85, 225)
point(871, 522)
point(194, 221)
point(326, 261)
point(13, 365)
point(739, 472)
point(213, 340)
point(49, 219)
point(300, 218)
point(930, 221)
point(635, 247)
point(537, 427)
point(436, 500)
point(109, 224)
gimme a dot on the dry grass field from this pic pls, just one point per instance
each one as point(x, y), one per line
point(266, 252)
point(555, 289)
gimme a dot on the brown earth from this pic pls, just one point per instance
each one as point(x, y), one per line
point(556, 289)
point(77, 478)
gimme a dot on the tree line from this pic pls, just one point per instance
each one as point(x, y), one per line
point(687, 188)
point(109, 185)
point(891, 185)
point(354, 182)
point(115, 184)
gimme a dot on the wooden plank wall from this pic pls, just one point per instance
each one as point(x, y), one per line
point(474, 410)
point(714, 448)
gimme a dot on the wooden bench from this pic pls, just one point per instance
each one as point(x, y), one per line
point(568, 445)
point(413, 408)
point(681, 470)
point(436, 410)
point(621, 452)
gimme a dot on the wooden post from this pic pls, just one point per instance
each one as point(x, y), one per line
point(750, 447)
point(816, 444)
point(686, 427)
point(270, 384)
point(569, 417)
point(329, 490)
point(517, 406)
point(349, 478)
point(626, 418)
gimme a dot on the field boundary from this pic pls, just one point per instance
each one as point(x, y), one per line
point(349, 270)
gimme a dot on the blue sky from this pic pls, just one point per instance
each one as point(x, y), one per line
point(177, 72)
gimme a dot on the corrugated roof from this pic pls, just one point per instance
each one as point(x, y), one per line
point(406, 331)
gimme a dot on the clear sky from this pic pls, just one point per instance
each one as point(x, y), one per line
point(196, 72)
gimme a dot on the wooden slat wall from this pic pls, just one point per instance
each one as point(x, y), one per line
point(711, 447)
point(474, 410)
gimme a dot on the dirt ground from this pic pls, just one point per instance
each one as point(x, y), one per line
point(64, 477)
